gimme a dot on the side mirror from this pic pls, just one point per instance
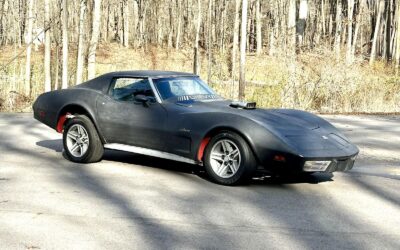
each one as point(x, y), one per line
point(141, 98)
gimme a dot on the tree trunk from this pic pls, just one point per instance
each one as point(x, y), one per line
point(350, 9)
point(196, 59)
point(47, 47)
point(2, 13)
point(94, 39)
point(301, 23)
point(107, 24)
point(64, 21)
point(29, 18)
point(56, 78)
point(142, 6)
point(243, 36)
point(398, 40)
point(338, 31)
point(179, 24)
point(222, 27)
point(388, 29)
point(357, 28)
point(235, 39)
point(249, 34)
point(135, 22)
point(79, 57)
point(273, 28)
point(289, 90)
point(258, 28)
point(323, 18)
point(377, 31)
point(126, 22)
point(292, 28)
point(171, 24)
point(209, 41)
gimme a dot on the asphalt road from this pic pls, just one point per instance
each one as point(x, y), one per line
point(138, 202)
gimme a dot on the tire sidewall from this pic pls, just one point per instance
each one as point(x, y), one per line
point(80, 121)
point(246, 159)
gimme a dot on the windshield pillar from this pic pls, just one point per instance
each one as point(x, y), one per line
point(155, 90)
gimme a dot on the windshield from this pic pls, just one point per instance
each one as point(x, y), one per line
point(184, 88)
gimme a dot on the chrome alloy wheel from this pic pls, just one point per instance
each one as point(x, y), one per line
point(225, 158)
point(77, 140)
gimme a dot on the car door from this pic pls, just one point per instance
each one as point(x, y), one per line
point(124, 120)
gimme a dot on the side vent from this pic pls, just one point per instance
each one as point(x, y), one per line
point(243, 105)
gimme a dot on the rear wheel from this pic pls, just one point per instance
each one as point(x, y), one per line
point(81, 141)
point(229, 160)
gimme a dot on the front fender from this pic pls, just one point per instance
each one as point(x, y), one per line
point(263, 142)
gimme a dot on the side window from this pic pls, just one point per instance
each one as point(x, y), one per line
point(125, 89)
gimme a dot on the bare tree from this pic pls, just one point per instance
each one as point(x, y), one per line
point(272, 29)
point(222, 27)
point(258, 27)
point(350, 9)
point(64, 23)
point(323, 18)
point(209, 41)
point(377, 31)
point(179, 24)
point(338, 31)
point(3, 5)
point(47, 47)
point(57, 66)
point(289, 92)
point(29, 48)
point(292, 27)
point(79, 55)
point(398, 40)
point(282, 28)
point(171, 24)
point(388, 34)
point(126, 22)
point(243, 38)
point(357, 28)
point(301, 23)
point(196, 58)
point(235, 38)
point(142, 10)
point(94, 39)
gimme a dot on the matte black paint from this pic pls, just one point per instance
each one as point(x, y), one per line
point(179, 129)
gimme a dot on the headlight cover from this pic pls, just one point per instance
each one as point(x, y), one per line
point(316, 166)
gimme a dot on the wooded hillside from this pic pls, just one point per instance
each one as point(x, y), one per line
point(323, 55)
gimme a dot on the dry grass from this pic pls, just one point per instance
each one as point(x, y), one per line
point(322, 84)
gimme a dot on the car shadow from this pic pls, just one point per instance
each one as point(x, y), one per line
point(56, 145)
point(261, 178)
point(275, 180)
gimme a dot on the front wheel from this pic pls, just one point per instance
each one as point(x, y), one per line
point(81, 141)
point(229, 160)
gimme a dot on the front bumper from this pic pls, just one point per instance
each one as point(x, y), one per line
point(297, 164)
point(341, 165)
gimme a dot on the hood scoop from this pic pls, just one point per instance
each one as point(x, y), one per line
point(243, 105)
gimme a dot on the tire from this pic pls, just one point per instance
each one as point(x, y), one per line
point(81, 141)
point(229, 168)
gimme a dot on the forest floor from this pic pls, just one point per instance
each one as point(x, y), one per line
point(322, 83)
point(130, 201)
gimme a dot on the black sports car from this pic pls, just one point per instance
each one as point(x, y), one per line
point(177, 116)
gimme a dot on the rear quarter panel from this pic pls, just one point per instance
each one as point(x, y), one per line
point(48, 107)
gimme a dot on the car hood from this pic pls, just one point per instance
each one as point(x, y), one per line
point(285, 119)
point(280, 119)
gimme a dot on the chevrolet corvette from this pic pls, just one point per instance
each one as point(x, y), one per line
point(176, 116)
